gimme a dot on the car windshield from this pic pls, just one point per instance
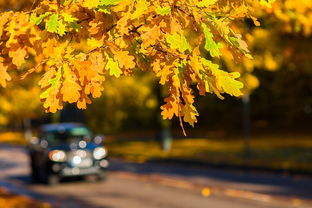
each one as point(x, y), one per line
point(66, 136)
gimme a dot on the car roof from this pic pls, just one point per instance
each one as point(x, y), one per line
point(58, 126)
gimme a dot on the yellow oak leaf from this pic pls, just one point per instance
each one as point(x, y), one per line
point(11, 29)
point(187, 94)
point(48, 47)
point(4, 76)
point(122, 23)
point(241, 44)
point(157, 65)
point(121, 43)
point(48, 75)
point(164, 74)
point(190, 113)
point(18, 56)
point(196, 65)
point(94, 43)
point(91, 3)
point(226, 82)
point(4, 18)
point(140, 8)
point(230, 85)
point(52, 101)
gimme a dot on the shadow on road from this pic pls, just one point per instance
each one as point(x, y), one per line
point(273, 184)
point(7, 165)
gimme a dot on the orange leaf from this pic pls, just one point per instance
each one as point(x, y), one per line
point(97, 61)
point(125, 60)
point(18, 56)
point(70, 88)
point(170, 108)
point(151, 36)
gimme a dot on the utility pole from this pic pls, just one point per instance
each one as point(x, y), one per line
point(164, 126)
point(27, 129)
point(246, 124)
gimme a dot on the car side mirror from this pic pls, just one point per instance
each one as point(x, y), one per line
point(99, 139)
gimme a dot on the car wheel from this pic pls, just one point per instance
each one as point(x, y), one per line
point(34, 173)
point(34, 170)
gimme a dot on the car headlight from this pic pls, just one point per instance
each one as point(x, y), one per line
point(57, 155)
point(99, 153)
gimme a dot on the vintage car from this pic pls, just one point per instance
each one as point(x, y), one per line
point(65, 150)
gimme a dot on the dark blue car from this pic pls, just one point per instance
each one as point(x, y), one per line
point(64, 150)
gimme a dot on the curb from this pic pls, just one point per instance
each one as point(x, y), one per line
point(207, 191)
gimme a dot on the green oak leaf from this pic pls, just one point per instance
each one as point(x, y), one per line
point(211, 46)
point(37, 20)
point(53, 23)
point(112, 66)
point(178, 41)
point(163, 10)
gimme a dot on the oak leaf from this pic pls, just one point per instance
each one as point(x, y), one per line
point(112, 66)
point(18, 56)
point(178, 41)
point(4, 76)
point(70, 89)
point(190, 113)
point(124, 59)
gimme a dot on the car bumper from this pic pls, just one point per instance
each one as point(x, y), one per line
point(65, 171)
point(80, 171)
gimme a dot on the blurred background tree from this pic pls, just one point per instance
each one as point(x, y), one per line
point(127, 103)
point(19, 101)
point(281, 65)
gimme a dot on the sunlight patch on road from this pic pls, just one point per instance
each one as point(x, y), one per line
point(205, 192)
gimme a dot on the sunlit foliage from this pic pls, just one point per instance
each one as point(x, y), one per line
point(76, 44)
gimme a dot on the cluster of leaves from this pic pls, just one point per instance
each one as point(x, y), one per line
point(77, 43)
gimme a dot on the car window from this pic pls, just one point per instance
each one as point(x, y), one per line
point(79, 131)
point(68, 136)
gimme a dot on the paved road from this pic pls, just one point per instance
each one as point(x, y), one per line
point(260, 182)
point(118, 191)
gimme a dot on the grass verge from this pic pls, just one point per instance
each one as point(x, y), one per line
point(271, 152)
point(12, 138)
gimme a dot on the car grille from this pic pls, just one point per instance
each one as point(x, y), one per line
point(80, 158)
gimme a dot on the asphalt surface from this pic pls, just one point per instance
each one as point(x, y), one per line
point(129, 185)
point(276, 185)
